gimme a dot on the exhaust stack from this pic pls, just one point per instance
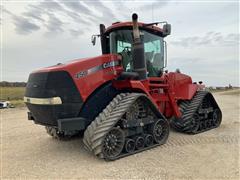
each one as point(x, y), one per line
point(139, 63)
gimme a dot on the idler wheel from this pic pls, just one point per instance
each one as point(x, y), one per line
point(216, 117)
point(160, 131)
point(113, 143)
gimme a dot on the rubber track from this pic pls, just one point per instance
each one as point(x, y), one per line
point(96, 131)
point(175, 122)
point(189, 108)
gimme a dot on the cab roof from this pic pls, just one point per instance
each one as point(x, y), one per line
point(128, 25)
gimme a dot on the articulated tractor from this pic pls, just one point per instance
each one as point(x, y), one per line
point(123, 101)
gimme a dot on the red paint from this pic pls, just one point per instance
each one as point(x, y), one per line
point(164, 91)
point(129, 24)
point(86, 85)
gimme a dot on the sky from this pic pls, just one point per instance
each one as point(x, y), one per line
point(204, 42)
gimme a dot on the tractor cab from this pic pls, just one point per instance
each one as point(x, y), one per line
point(121, 42)
point(118, 39)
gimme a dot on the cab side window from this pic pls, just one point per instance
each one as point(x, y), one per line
point(125, 49)
point(154, 57)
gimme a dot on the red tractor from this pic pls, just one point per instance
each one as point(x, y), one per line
point(122, 101)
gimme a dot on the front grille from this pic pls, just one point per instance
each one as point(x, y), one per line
point(53, 84)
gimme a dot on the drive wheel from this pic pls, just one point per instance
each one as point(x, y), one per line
point(160, 131)
point(130, 145)
point(216, 117)
point(113, 143)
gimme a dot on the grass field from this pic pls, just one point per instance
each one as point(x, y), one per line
point(235, 92)
point(13, 94)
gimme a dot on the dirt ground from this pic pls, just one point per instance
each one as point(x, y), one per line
point(28, 152)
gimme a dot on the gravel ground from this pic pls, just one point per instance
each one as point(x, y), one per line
point(28, 152)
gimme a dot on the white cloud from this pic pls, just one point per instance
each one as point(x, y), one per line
point(204, 41)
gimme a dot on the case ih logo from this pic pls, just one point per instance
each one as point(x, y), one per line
point(109, 64)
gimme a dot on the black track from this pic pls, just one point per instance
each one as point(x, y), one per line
point(198, 115)
point(144, 125)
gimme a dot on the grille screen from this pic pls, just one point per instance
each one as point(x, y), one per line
point(53, 84)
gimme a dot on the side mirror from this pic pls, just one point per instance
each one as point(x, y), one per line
point(166, 29)
point(93, 39)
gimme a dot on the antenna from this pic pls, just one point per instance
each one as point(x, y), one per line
point(152, 13)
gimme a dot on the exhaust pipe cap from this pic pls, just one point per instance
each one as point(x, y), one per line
point(134, 16)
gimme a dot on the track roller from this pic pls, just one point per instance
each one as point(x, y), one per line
point(148, 140)
point(129, 145)
point(139, 142)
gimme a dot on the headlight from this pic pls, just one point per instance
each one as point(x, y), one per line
point(43, 101)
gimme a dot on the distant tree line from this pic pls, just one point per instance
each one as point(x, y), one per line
point(12, 84)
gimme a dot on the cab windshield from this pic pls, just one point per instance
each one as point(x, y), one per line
point(121, 42)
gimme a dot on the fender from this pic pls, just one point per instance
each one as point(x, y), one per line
point(135, 86)
point(144, 87)
point(186, 91)
point(181, 85)
point(97, 101)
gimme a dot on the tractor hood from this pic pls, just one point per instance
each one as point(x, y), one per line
point(80, 64)
point(59, 91)
point(87, 73)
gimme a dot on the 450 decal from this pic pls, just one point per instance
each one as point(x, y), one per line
point(97, 68)
point(80, 74)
